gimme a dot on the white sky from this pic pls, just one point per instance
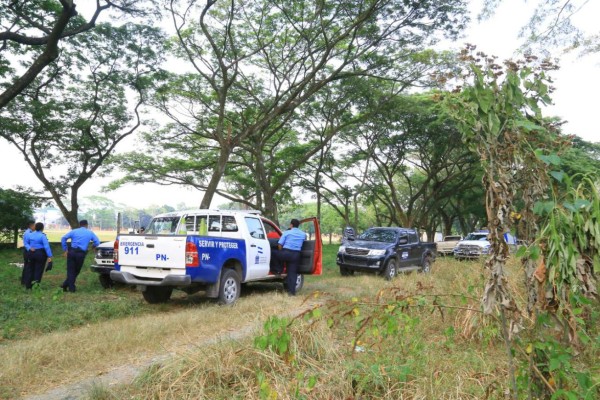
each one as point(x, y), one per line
point(575, 101)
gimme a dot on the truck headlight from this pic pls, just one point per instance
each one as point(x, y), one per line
point(342, 249)
point(376, 252)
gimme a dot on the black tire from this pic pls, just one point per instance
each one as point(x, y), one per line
point(426, 267)
point(299, 283)
point(345, 271)
point(390, 271)
point(157, 294)
point(229, 287)
point(105, 281)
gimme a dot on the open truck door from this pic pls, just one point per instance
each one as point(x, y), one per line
point(311, 261)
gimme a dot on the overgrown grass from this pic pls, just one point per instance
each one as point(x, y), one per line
point(361, 337)
point(418, 337)
point(428, 352)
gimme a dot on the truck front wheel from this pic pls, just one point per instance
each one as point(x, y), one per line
point(230, 287)
point(390, 270)
point(345, 271)
point(105, 281)
point(157, 294)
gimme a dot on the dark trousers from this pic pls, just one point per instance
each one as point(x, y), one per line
point(75, 259)
point(291, 259)
point(25, 271)
point(37, 263)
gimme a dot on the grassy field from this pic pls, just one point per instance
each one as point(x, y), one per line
point(417, 337)
point(54, 236)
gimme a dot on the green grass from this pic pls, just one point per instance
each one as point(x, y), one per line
point(46, 308)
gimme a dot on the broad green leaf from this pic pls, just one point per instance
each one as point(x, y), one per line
point(558, 175)
point(521, 251)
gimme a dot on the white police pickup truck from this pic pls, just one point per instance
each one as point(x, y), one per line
point(210, 250)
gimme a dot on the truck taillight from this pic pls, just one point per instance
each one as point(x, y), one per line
point(191, 255)
point(116, 251)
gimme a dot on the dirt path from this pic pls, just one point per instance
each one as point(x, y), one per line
point(125, 374)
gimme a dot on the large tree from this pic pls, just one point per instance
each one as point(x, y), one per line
point(16, 209)
point(255, 64)
point(74, 114)
point(31, 31)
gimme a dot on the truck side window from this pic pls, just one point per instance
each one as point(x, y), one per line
point(214, 223)
point(190, 223)
point(412, 237)
point(255, 228)
point(201, 225)
point(229, 224)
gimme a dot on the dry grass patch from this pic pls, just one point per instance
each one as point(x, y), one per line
point(430, 354)
point(61, 358)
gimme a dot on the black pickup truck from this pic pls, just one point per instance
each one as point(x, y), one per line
point(386, 251)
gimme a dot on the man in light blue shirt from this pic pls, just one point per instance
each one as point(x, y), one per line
point(39, 251)
point(80, 240)
point(290, 245)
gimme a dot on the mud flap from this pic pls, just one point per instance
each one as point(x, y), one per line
point(212, 290)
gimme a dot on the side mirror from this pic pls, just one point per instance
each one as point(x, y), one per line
point(403, 240)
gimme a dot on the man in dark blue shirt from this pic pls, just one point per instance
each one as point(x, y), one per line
point(80, 240)
point(25, 272)
point(290, 245)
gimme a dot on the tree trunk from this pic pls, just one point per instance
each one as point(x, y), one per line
point(16, 238)
point(215, 179)
point(270, 208)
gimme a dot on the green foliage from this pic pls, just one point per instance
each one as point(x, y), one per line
point(276, 337)
point(272, 84)
point(569, 237)
point(16, 208)
point(75, 113)
point(548, 366)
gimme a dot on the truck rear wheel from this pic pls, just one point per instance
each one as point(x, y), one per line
point(157, 294)
point(390, 270)
point(230, 287)
point(426, 267)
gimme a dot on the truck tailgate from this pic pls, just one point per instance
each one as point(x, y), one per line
point(166, 251)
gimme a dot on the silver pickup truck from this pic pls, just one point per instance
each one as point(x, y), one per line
point(446, 246)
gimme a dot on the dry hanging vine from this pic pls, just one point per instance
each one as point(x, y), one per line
point(499, 115)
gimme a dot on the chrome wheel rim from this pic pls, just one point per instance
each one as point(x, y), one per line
point(230, 290)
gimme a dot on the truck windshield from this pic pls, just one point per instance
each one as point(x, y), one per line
point(378, 235)
point(477, 236)
point(163, 226)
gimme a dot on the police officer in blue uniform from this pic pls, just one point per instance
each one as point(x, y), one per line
point(38, 250)
point(80, 240)
point(30, 228)
point(290, 245)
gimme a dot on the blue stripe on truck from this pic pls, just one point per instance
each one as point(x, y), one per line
point(213, 253)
